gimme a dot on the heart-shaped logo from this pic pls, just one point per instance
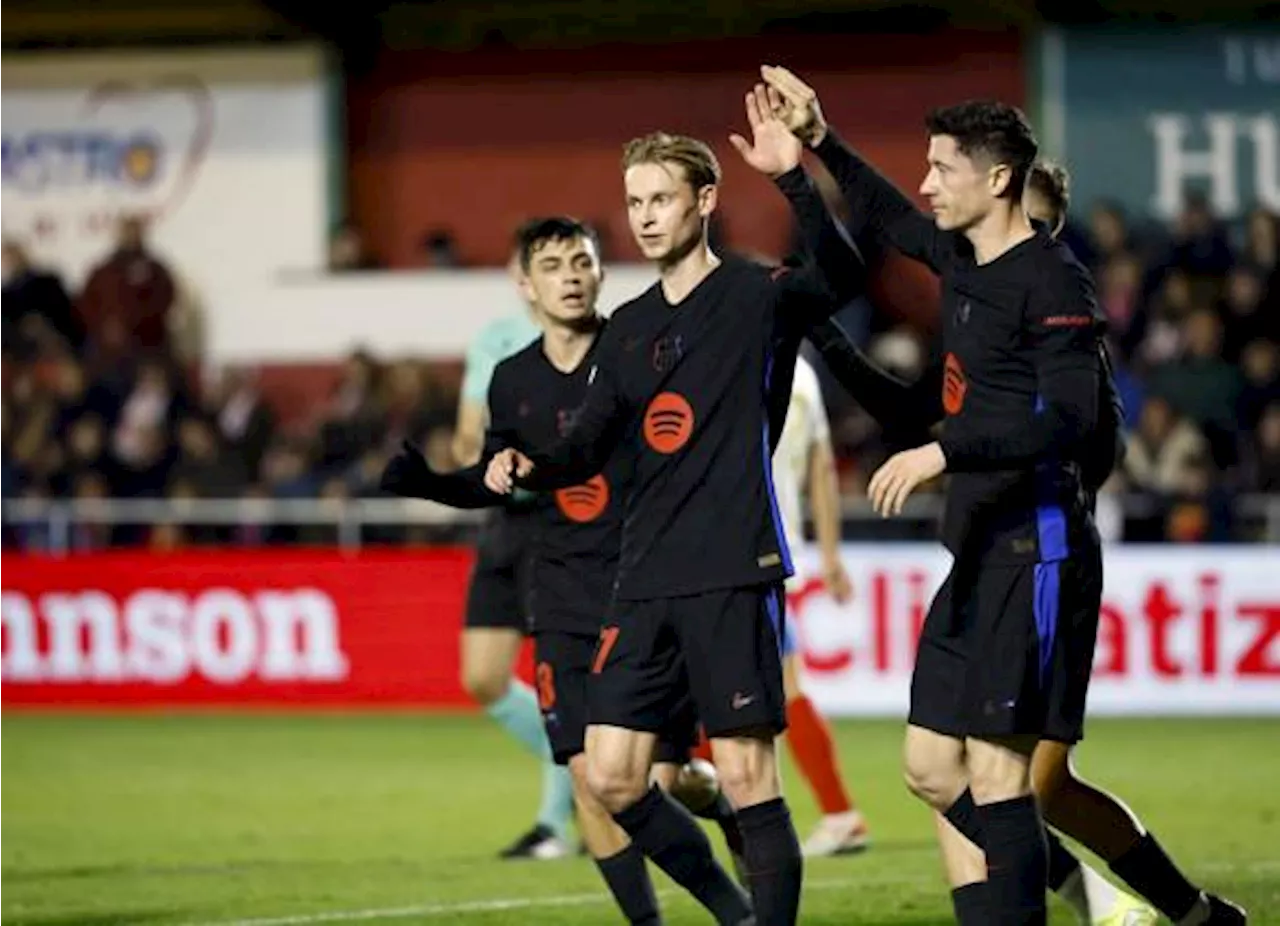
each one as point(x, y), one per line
point(152, 156)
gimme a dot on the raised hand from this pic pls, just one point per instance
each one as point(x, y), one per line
point(798, 108)
point(503, 469)
point(773, 149)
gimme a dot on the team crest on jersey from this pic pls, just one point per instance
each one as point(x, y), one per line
point(566, 418)
point(667, 352)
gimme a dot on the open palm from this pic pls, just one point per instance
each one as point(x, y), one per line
point(773, 149)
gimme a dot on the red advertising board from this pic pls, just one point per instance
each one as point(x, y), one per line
point(277, 628)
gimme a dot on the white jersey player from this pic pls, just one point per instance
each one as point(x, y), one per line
point(804, 464)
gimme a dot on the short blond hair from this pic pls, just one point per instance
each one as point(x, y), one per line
point(1051, 181)
point(701, 168)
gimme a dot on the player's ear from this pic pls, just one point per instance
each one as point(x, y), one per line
point(998, 179)
point(526, 287)
point(707, 197)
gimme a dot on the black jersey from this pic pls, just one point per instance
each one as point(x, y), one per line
point(693, 393)
point(573, 532)
point(1022, 385)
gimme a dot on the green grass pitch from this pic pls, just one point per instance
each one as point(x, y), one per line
point(266, 820)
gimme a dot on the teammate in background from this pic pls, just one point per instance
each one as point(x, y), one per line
point(987, 252)
point(804, 460)
point(684, 380)
point(534, 397)
point(496, 622)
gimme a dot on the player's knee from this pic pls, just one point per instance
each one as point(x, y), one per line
point(616, 785)
point(746, 770)
point(999, 770)
point(934, 780)
point(583, 797)
point(484, 685)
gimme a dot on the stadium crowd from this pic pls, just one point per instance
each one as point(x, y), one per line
point(100, 398)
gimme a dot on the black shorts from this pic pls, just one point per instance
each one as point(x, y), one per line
point(719, 646)
point(563, 680)
point(498, 595)
point(1008, 649)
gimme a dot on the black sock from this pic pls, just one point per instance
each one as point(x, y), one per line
point(721, 812)
point(1062, 864)
point(628, 881)
point(664, 831)
point(963, 815)
point(1151, 873)
point(970, 902)
point(1016, 861)
point(775, 867)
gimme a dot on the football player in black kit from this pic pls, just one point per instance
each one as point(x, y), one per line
point(682, 382)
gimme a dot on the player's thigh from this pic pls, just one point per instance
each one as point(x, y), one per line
point(637, 674)
point(746, 765)
point(488, 660)
point(562, 669)
point(728, 641)
point(1072, 595)
point(940, 665)
point(1050, 769)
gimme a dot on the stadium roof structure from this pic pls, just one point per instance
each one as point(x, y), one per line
point(366, 25)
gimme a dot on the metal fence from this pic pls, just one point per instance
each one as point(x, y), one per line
point(358, 522)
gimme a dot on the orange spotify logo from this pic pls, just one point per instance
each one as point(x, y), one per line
point(586, 502)
point(668, 422)
point(954, 385)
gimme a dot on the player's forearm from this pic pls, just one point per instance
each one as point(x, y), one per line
point(562, 466)
point(464, 489)
point(839, 266)
point(896, 406)
point(879, 211)
point(1068, 418)
point(824, 502)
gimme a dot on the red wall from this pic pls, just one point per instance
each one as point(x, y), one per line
point(476, 142)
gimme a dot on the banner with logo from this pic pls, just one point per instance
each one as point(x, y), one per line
point(226, 151)
point(1183, 630)
point(274, 629)
point(1141, 117)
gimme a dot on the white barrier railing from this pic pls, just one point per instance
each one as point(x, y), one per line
point(350, 516)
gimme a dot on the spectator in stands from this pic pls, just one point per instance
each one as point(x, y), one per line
point(1262, 241)
point(1262, 457)
point(1154, 335)
point(1201, 386)
point(38, 313)
point(1200, 243)
point(348, 252)
point(439, 251)
point(354, 419)
point(1108, 234)
point(245, 421)
point(1242, 311)
point(201, 463)
point(129, 296)
point(1164, 451)
point(1260, 366)
point(152, 406)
